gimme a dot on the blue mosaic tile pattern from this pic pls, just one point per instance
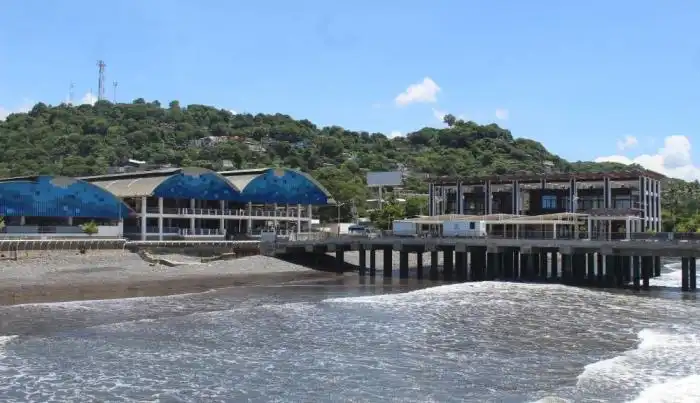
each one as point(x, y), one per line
point(285, 186)
point(49, 196)
point(196, 183)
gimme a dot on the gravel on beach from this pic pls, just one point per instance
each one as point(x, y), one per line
point(52, 276)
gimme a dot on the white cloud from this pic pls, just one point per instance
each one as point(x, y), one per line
point(395, 133)
point(26, 106)
point(88, 99)
point(232, 111)
point(673, 159)
point(439, 115)
point(627, 142)
point(423, 92)
point(502, 114)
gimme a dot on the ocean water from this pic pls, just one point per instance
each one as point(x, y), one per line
point(347, 341)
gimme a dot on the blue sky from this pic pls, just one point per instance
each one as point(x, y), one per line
point(588, 79)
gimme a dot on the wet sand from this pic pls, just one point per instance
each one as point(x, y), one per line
point(58, 276)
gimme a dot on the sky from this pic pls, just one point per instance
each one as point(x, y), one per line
point(594, 80)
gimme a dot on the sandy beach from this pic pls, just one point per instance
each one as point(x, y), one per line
point(56, 276)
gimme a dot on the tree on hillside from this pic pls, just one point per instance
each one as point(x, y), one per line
point(88, 139)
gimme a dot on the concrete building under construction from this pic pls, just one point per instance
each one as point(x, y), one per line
point(626, 201)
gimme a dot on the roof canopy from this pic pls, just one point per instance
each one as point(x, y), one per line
point(266, 185)
point(54, 196)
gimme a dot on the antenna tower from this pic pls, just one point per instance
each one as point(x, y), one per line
point(71, 93)
point(114, 91)
point(101, 80)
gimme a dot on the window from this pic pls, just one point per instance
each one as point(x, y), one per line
point(549, 202)
point(472, 225)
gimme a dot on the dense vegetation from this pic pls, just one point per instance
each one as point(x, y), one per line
point(87, 139)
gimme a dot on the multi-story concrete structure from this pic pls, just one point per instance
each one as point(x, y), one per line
point(167, 203)
point(630, 193)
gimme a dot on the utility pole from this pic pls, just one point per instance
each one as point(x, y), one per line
point(114, 91)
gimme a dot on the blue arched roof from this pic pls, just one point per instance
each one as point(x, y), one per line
point(197, 183)
point(285, 186)
point(51, 196)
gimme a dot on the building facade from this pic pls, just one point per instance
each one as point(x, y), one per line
point(164, 204)
point(626, 193)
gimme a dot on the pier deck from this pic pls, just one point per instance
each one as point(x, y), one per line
point(570, 261)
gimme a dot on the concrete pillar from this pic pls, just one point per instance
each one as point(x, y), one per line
point(543, 261)
point(363, 261)
point(160, 218)
point(628, 230)
point(299, 218)
point(339, 260)
point(22, 220)
point(692, 276)
point(657, 266)
point(590, 263)
point(461, 266)
point(636, 272)
point(685, 274)
point(249, 224)
point(144, 221)
point(566, 268)
point(274, 215)
point(388, 262)
point(403, 264)
point(419, 264)
point(372, 262)
point(434, 265)
point(535, 264)
point(193, 205)
point(610, 262)
point(647, 270)
point(590, 228)
point(448, 264)
point(222, 220)
point(70, 221)
point(626, 270)
point(507, 265)
point(658, 206)
point(525, 267)
point(493, 265)
point(600, 263)
point(555, 267)
point(515, 274)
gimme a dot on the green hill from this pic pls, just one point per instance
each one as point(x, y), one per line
point(85, 140)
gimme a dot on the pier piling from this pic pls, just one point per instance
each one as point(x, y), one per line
point(388, 262)
point(692, 275)
point(372, 262)
point(434, 265)
point(419, 265)
point(403, 265)
point(647, 270)
point(363, 261)
point(448, 264)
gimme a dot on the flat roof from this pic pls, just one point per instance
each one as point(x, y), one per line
point(630, 174)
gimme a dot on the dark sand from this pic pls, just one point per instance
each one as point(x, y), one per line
point(41, 277)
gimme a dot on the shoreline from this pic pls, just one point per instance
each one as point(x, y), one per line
point(62, 277)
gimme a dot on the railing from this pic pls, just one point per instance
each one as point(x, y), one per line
point(201, 231)
point(668, 237)
point(256, 212)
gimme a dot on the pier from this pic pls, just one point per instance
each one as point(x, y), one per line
point(595, 263)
